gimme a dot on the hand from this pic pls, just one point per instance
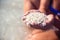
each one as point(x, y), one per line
point(49, 21)
point(50, 18)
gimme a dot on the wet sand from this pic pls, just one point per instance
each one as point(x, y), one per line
point(11, 25)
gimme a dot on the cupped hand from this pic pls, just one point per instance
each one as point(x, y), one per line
point(48, 21)
point(50, 18)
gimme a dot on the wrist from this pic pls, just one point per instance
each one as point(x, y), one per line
point(42, 10)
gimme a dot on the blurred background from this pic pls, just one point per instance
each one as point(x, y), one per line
point(11, 25)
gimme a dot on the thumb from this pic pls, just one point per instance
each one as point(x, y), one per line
point(50, 18)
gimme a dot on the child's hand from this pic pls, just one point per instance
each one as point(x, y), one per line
point(50, 18)
point(39, 22)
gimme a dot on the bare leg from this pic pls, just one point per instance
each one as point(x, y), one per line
point(44, 5)
point(31, 4)
point(56, 5)
point(40, 35)
point(27, 5)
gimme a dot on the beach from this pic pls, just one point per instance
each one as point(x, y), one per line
point(11, 25)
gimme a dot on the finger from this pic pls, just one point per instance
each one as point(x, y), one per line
point(50, 18)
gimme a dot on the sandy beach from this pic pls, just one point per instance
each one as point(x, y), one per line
point(11, 25)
